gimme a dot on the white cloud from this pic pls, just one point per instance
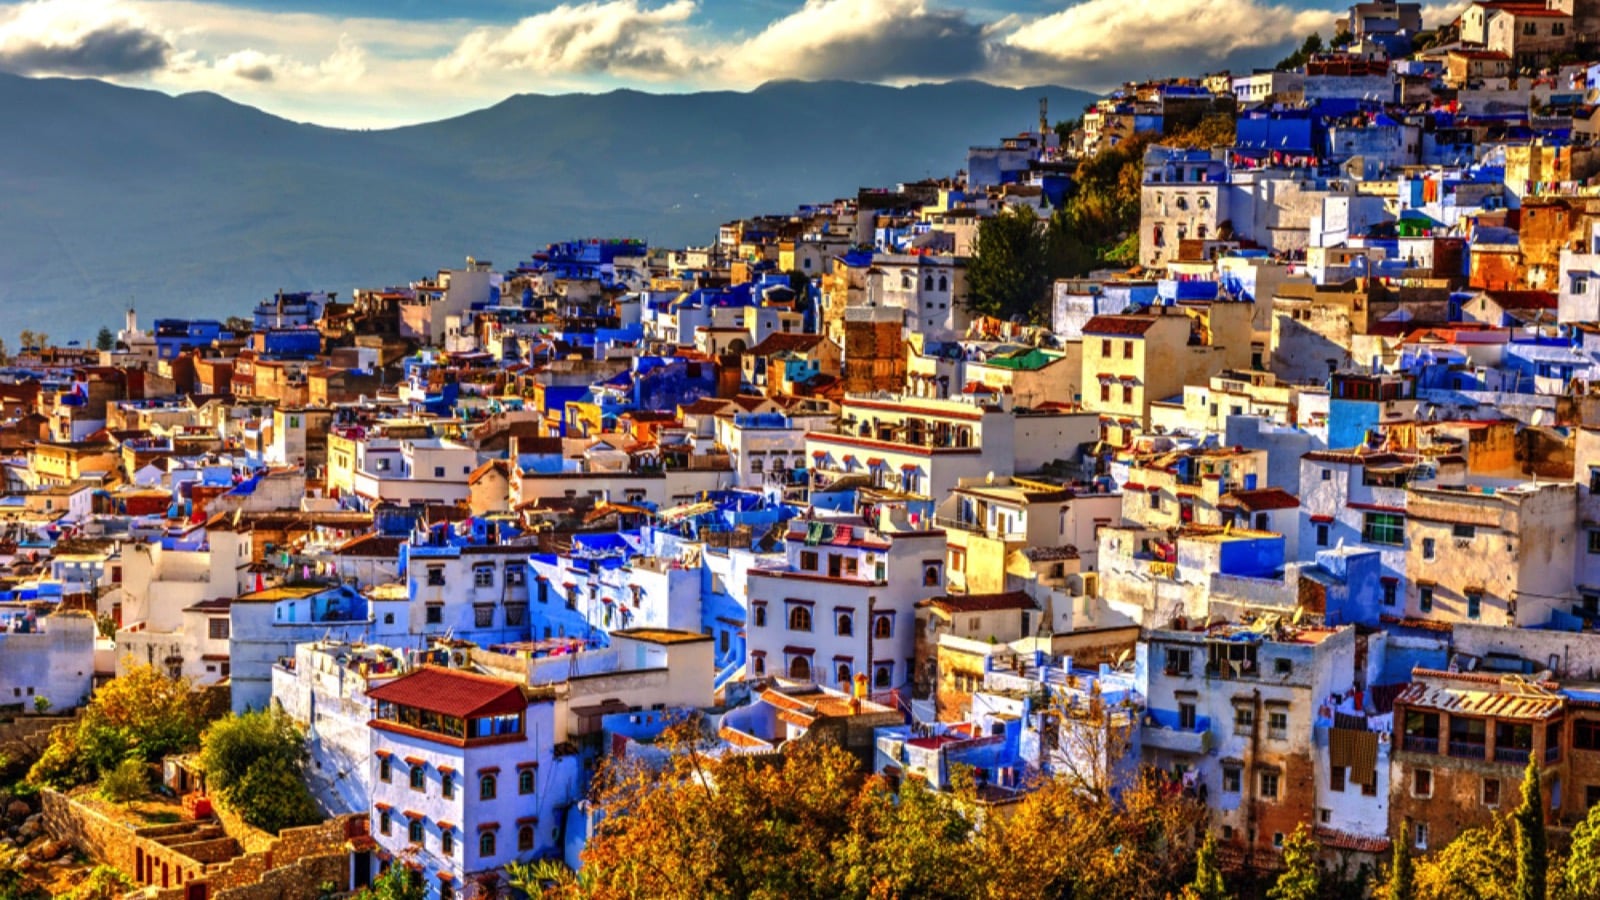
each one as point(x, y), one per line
point(1105, 42)
point(878, 40)
point(617, 37)
point(79, 37)
point(344, 66)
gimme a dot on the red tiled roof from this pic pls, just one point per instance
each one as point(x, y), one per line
point(1343, 840)
point(1130, 325)
point(1260, 499)
point(452, 693)
point(785, 342)
point(970, 603)
point(1523, 299)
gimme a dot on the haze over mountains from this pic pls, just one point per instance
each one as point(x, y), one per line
point(198, 206)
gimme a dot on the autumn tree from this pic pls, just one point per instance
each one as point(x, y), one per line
point(1301, 878)
point(127, 782)
point(1532, 848)
point(141, 714)
point(1480, 864)
point(397, 882)
point(255, 763)
point(1007, 277)
point(914, 843)
point(1207, 883)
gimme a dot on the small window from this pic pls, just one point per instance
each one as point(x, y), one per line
point(1244, 720)
point(1327, 474)
point(419, 778)
point(483, 576)
point(1187, 716)
point(1474, 604)
point(1419, 833)
point(1491, 792)
point(1105, 346)
point(486, 787)
point(1277, 840)
point(447, 843)
point(1594, 541)
point(1427, 548)
point(486, 844)
point(525, 839)
point(385, 769)
point(435, 614)
point(808, 560)
point(883, 627)
point(1278, 725)
point(761, 616)
point(1269, 785)
point(483, 616)
point(1425, 598)
point(414, 831)
point(1230, 779)
point(219, 629)
point(1322, 535)
point(799, 619)
point(383, 821)
point(1391, 591)
point(436, 576)
point(447, 785)
point(1463, 532)
point(1422, 783)
point(1336, 778)
point(525, 781)
point(1283, 666)
point(1127, 349)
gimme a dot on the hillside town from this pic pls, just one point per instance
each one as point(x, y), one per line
point(1289, 497)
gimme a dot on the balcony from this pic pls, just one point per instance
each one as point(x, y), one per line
point(1517, 755)
point(1468, 750)
point(1176, 740)
point(1552, 753)
point(1416, 743)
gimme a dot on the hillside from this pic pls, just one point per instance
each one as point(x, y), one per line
point(195, 205)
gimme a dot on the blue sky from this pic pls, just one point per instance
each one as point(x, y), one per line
point(365, 63)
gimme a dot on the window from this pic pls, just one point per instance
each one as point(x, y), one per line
point(1105, 346)
point(1422, 783)
point(1278, 726)
point(436, 576)
point(385, 770)
point(419, 778)
point(1244, 720)
point(1277, 840)
point(1586, 734)
point(1127, 349)
point(1420, 832)
point(414, 831)
point(1425, 598)
point(883, 627)
point(1269, 785)
point(1474, 604)
point(483, 616)
point(1463, 532)
point(486, 844)
point(516, 576)
point(760, 666)
point(1427, 548)
point(808, 560)
point(1491, 792)
point(1179, 661)
point(486, 787)
point(1336, 779)
point(435, 614)
point(1186, 716)
point(516, 613)
point(1322, 535)
point(483, 576)
point(525, 839)
point(383, 821)
point(845, 626)
point(447, 785)
point(1594, 541)
point(1230, 779)
point(1282, 666)
point(1327, 474)
point(1594, 479)
point(1384, 528)
point(761, 617)
point(219, 629)
point(525, 781)
point(1155, 499)
point(1127, 394)
point(883, 676)
point(1390, 590)
point(799, 619)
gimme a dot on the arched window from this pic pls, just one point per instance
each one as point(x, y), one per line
point(883, 627)
point(927, 283)
point(486, 787)
point(930, 577)
point(761, 617)
point(525, 839)
point(760, 666)
point(799, 619)
point(883, 677)
point(525, 781)
point(1200, 232)
point(1183, 202)
point(800, 668)
point(414, 831)
point(419, 778)
point(447, 843)
point(905, 281)
point(486, 844)
point(944, 283)
point(1159, 235)
point(842, 671)
point(846, 627)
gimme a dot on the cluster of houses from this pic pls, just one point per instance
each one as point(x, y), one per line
point(1307, 503)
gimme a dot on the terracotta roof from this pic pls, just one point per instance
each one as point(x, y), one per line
point(785, 342)
point(1522, 299)
point(1344, 840)
point(377, 545)
point(1481, 694)
point(1130, 325)
point(970, 603)
point(1260, 499)
point(452, 692)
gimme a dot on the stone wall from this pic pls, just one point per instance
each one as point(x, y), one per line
point(142, 853)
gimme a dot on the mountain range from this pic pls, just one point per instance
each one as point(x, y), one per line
point(194, 205)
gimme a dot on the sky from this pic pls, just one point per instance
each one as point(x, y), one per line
point(382, 63)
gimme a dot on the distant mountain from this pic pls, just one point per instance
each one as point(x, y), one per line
point(196, 205)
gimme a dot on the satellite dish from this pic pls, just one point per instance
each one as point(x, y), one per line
point(988, 478)
point(1299, 613)
point(1540, 417)
point(1123, 657)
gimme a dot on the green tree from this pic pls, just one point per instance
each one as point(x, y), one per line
point(1301, 878)
point(105, 340)
point(129, 781)
point(1480, 864)
point(41, 704)
point(1532, 848)
point(1402, 875)
point(255, 763)
point(104, 883)
point(1006, 276)
point(1311, 47)
point(394, 883)
point(1582, 870)
point(911, 844)
point(1207, 884)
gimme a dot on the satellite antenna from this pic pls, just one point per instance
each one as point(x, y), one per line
point(1122, 658)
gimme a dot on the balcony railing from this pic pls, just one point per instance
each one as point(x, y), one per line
point(1552, 753)
point(1416, 743)
point(1466, 750)
point(1518, 755)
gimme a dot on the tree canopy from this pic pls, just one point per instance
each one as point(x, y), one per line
point(255, 763)
point(141, 714)
point(1007, 275)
